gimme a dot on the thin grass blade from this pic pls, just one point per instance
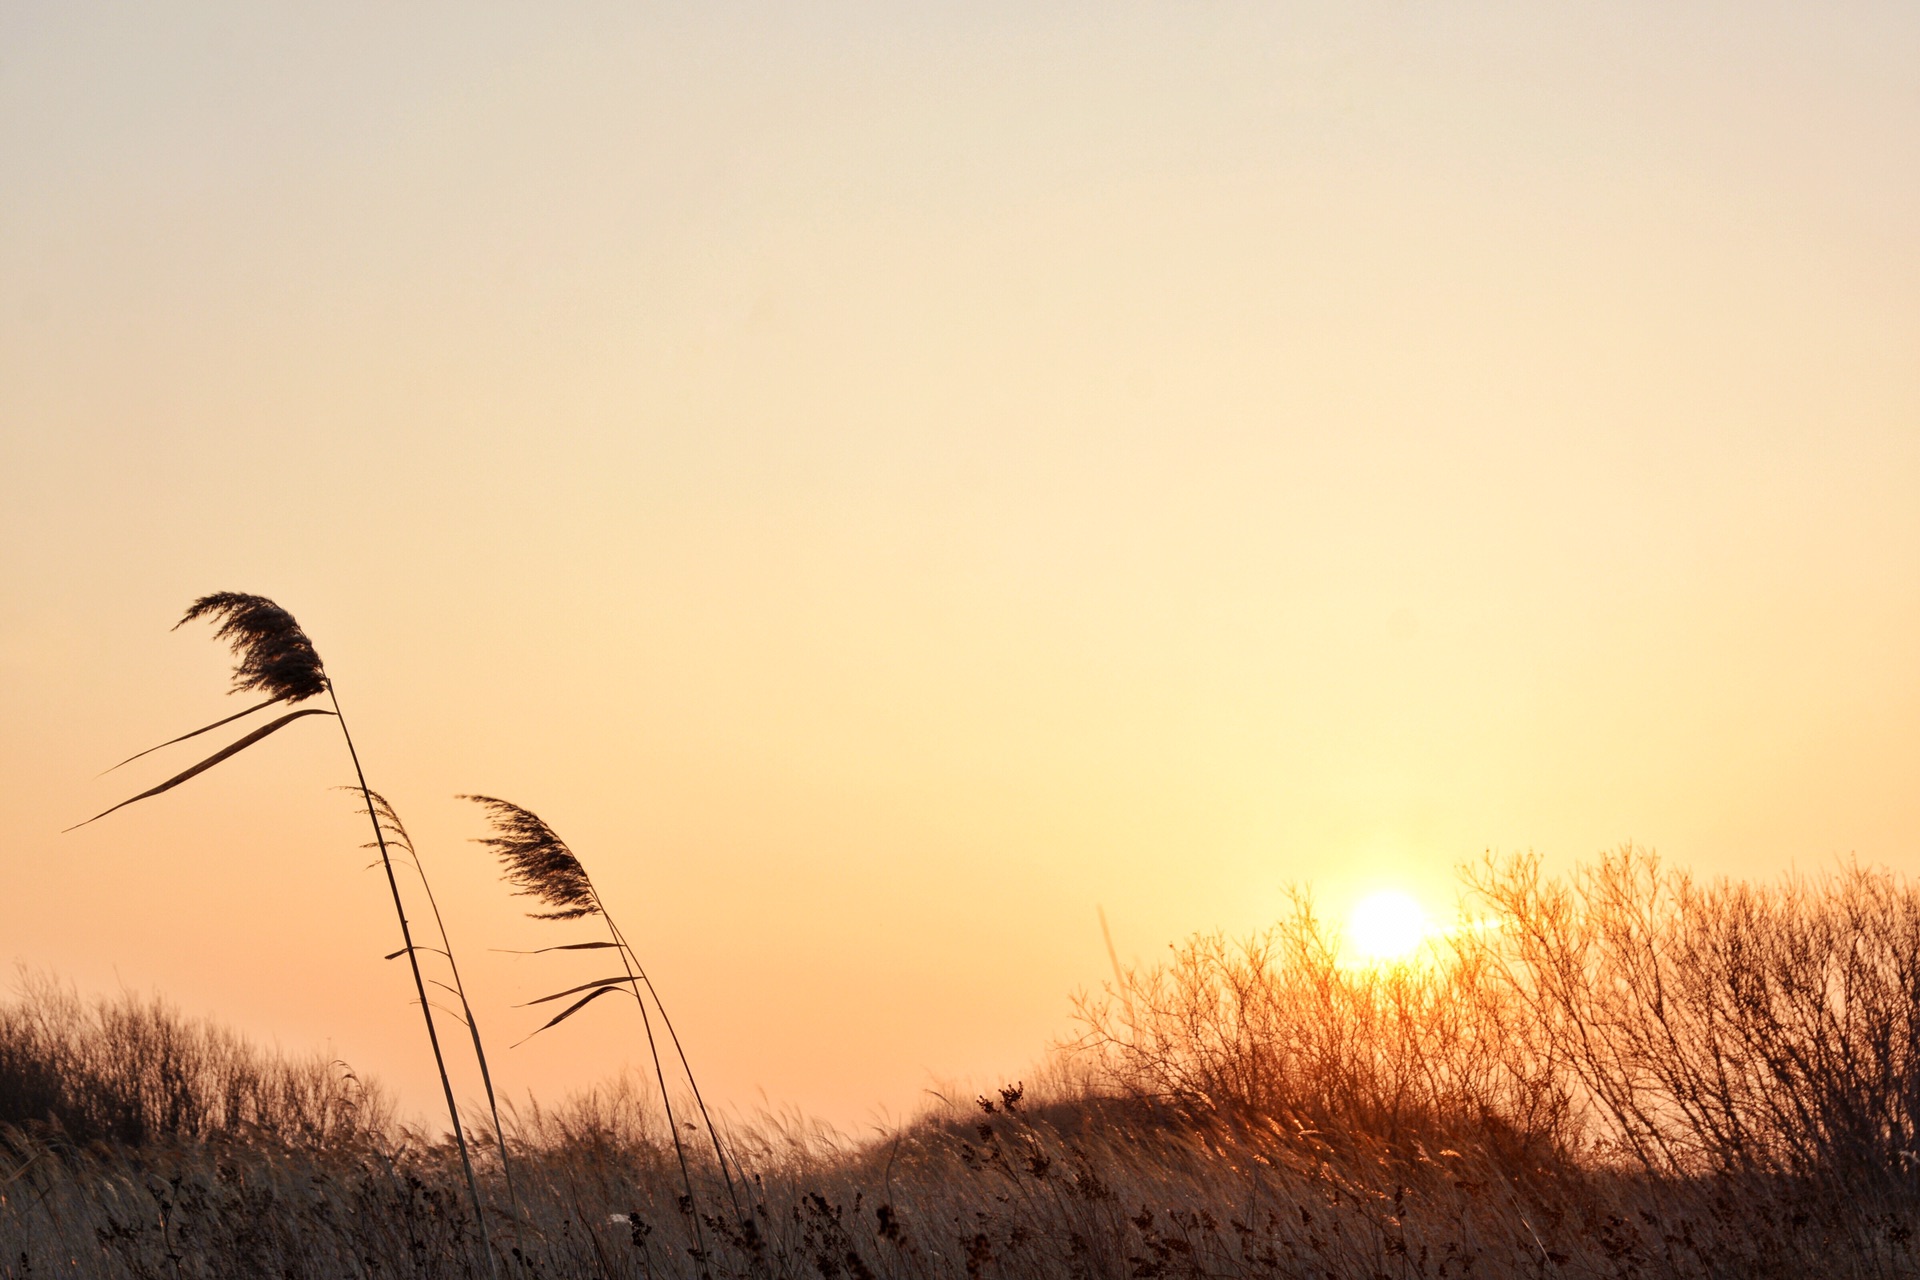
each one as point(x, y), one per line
point(238, 715)
point(417, 948)
point(451, 1013)
point(570, 1010)
point(15, 1176)
point(617, 980)
point(540, 951)
point(208, 763)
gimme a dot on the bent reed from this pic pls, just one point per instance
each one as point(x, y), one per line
point(274, 656)
point(540, 865)
point(1617, 1073)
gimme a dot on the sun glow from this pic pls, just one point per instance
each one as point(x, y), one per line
point(1386, 927)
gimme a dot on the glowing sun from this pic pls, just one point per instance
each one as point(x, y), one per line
point(1386, 926)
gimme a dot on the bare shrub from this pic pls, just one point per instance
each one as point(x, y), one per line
point(132, 1071)
point(1436, 1049)
point(1623, 1013)
point(1727, 1027)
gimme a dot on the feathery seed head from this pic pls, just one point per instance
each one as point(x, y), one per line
point(274, 654)
point(392, 830)
point(538, 862)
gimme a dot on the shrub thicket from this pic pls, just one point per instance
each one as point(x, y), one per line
point(133, 1073)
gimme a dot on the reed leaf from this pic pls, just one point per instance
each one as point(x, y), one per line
point(570, 1010)
point(571, 946)
point(238, 715)
point(616, 980)
point(210, 761)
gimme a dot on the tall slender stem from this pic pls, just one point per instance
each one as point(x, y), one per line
point(473, 1028)
point(713, 1134)
point(630, 964)
point(420, 986)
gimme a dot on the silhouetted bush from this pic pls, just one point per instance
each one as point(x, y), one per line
point(132, 1071)
point(1625, 1017)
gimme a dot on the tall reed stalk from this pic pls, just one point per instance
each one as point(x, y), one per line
point(388, 819)
point(274, 656)
point(540, 865)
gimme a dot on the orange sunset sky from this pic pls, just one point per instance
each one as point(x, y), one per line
point(884, 481)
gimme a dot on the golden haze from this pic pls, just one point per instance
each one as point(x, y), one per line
point(882, 483)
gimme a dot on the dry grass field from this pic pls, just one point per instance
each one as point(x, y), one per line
point(1617, 1074)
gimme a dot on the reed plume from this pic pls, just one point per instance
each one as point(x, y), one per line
point(539, 865)
point(274, 656)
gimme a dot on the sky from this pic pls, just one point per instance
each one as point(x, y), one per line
point(890, 482)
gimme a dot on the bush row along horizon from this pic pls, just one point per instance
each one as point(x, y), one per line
point(1633, 1076)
